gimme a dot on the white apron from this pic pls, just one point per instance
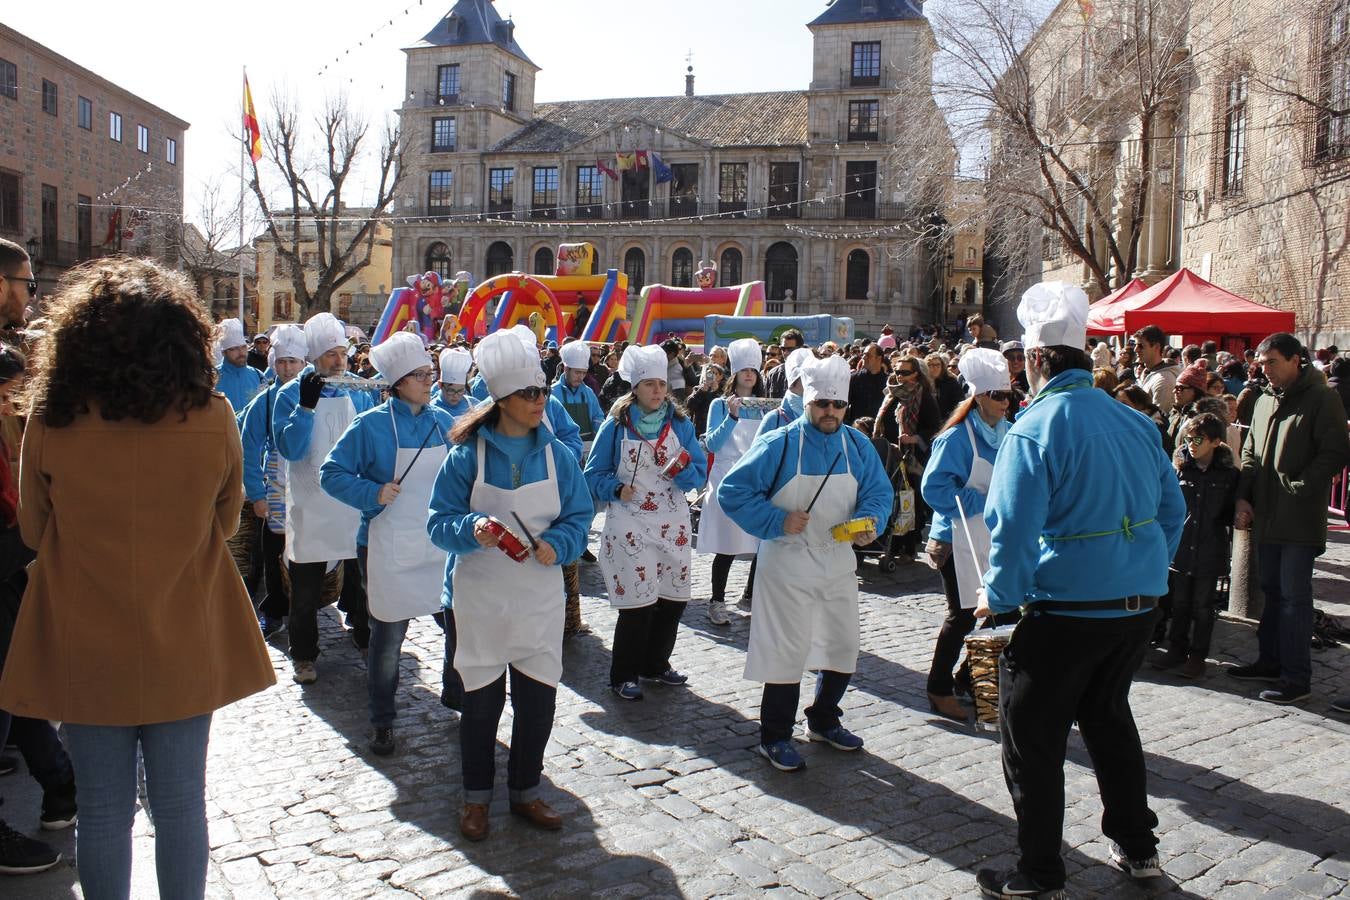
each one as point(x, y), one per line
point(508, 612)
point(404, 570)
point(969, 572)
point(320, 528)
point(716, 532)
point(645, 551)
point(806, 592)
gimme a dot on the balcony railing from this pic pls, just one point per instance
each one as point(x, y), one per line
point(862, 208)
point(69, 253)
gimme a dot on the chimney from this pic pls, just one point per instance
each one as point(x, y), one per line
point(689, 82)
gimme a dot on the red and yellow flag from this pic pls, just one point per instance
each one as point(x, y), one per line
point(252, 134)
point(1086, 8)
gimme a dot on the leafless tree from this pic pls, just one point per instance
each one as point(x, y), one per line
point(319, 177)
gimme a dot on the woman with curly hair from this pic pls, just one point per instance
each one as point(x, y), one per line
point(135, 627)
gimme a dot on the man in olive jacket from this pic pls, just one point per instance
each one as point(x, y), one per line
point(1297, 444)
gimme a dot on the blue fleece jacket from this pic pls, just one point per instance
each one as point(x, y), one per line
point(254, 432)
point(746, 492)
point(789, 412)
point(363, 460)
point(607, 453)
point(944, 478)
point(463, 406)
point(478, 388)
point(721, 424)
point(582, 394)
point(450, 521)
point(293, 425)
point(237, 383)
point(1076, 467)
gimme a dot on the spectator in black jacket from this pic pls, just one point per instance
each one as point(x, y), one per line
point(867, 386)
point(1338, 378)
point(947, 389)
point(774, 382)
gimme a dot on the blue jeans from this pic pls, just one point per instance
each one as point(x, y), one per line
point(175, 779)
point(386, 645)
point(1285, 634)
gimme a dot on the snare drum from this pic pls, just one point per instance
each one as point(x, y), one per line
point(983, 647)
point(507, 542)
point(847, 531)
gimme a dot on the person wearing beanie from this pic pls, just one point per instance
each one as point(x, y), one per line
point(509, 486)
point(264, 474)
point(790, 489)
point(645, 555)
point(1189, 388)
point(235, 378)
point(1085, 552)
point(309, 416)
point(384, 465)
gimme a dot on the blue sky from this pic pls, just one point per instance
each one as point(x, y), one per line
point(186, 58)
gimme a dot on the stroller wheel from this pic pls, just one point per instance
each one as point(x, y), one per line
point(887, 565)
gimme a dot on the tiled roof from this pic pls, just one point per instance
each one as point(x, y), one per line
point(847, 12)
point(473, 22)
point(770, 119)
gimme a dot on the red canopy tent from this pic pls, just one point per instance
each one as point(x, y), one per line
point(1187, 305)
point(1107, 315)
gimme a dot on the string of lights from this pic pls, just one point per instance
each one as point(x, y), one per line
point(337, 60)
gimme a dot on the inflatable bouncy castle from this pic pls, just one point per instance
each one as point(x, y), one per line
point(665, 312)
point(423, 301)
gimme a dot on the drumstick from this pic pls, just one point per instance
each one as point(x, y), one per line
point(529, 537)
point(420, 448)
point(825, 479)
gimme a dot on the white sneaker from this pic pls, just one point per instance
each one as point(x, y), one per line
point(717, 613)
point(304, 673)
point(1136, 868)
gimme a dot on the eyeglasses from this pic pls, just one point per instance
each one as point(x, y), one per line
point(827, 404)
point(531, 393)
point(1000, 396)
point(452, 391)
point(422, 375)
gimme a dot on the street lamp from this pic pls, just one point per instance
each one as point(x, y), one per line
point(34, 247)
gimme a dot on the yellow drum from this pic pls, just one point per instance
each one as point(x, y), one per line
point(847, 531)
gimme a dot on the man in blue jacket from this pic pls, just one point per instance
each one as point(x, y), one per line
point(1084, 513)
point(790, 489)
point(235, 378)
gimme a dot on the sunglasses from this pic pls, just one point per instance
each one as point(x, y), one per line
point(531, 393)
point(906, 372)
point(827, 404)
point(1196, 440)
point(1016, 357)
point(30, 282)
point(1000, 396)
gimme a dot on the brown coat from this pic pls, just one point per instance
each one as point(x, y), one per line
point(134, 612)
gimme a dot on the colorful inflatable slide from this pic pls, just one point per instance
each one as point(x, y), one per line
point(665, 312)
point(555, 298)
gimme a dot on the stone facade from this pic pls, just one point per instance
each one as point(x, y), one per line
point(359, 302)
point(788, 222)
point(77, 150)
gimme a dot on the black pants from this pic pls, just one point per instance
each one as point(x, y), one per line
point(532, 706)
point(778, 706)
point(276, 604)
point(38, 743)
point(352, 601)
point(721, 568)
point(643, 640)
point(1054, 671)
point(452, 686)
point(1192, 612)
point(952, 636)
point(307, 599)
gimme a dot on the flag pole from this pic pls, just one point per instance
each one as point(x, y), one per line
point(242, 155)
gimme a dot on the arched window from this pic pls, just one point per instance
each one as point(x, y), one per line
point(858, 275)
point(635, 267)
point(780, 274)
point(543, 261)
point(972, 255)
point(729, 269)
point(970, 297)
point(682, 268)
point(500, 259)
point(438, 260)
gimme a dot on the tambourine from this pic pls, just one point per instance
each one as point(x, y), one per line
point(847, 531)
point(676, 465)
point(507, 542)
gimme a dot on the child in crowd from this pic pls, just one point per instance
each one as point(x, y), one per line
point(1208, 476)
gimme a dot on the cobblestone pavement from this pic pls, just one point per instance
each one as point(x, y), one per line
point(665, 798)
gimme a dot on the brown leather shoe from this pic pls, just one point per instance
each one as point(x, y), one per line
point(473, 821)
point(539, 814)
point(948, 707)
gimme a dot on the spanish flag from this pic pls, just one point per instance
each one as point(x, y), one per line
point(1086, 8)
point(252, 135)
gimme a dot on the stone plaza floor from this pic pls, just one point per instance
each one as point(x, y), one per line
point(665, 798)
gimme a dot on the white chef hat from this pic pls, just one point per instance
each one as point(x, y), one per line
point(323, 332)
point(288, 342)
point(397, 355)
point(744, 353)
point(455, 365)
point(577, 355)
point(643, 363)
point(796, 359)
point(1053, 314)
point(984, 369)
point(526, 336)
point(825, 379)
point(231, 334)
point(507, 365)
